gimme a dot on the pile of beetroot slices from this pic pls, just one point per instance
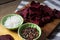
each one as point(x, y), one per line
point(39, 14)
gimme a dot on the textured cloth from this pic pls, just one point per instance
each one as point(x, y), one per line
point(54, 4)
point(21, 5)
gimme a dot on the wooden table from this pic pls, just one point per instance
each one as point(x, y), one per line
point(47, 29)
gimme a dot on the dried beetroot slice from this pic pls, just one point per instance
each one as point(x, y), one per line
point(6, 37)
point(35, 4)
point(46, 9)
point(56, 14)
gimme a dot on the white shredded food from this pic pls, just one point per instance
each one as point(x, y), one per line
point(12, 22)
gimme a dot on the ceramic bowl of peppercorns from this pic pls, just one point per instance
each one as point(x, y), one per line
point(29, 31)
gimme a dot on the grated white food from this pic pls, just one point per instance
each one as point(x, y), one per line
point(12, 22)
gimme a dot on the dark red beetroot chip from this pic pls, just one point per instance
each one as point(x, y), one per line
point(35, 21)
point(6, 37)
point(41, 24)
point(24, 12)
point(33, 9)
point(30, 11)
point(35, 4)
point(56, 14)
point(47, 9)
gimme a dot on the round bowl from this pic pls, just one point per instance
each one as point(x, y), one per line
point(9, 15)
point(32, 25)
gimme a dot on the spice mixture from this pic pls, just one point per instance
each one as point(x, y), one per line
point(30, 33)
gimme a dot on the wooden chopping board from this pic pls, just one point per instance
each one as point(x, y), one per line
point(4, 31)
